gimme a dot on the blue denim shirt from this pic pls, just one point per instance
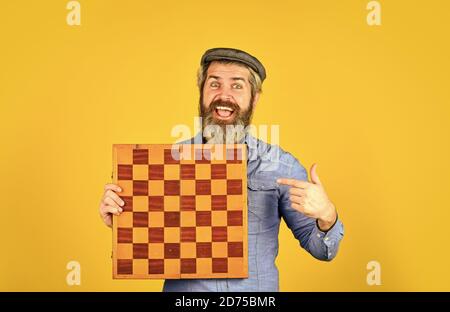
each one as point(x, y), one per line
point(268, 202)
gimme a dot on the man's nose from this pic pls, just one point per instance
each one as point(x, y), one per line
point(225, 95)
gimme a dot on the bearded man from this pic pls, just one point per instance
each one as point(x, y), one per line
point(230, 84)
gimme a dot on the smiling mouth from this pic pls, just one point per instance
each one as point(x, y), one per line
point(223, 112)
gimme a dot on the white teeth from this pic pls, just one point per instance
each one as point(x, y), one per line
point(224, 108)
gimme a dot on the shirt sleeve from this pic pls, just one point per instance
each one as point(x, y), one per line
point(321, 245)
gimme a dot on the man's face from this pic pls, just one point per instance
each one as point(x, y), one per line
point(226, 97)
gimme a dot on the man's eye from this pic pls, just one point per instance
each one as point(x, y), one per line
point(237, 86)
point(214, 84)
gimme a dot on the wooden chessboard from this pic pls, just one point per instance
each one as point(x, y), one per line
point(185, 212)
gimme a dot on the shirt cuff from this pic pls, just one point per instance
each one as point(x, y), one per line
point(333, 235)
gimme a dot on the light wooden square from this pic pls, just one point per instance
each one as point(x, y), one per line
point(156, 188)
point(187, 187)
point(235, 234)
point(236, 266)
point(203, 234)
point(124, 155)
point(156, 154)
point(140, 172)
point(219, 249)
point(156, 251)
point(125, 219)
point(204, 266)
point(188, 250)
point(127, 188)
point(172, 234)
point(171, 203)
point(171, 172)
point(140, 203)
point(187, 218)
point(172, 267)
point(124, 251)
point(140, 235)
point(219, 218)
point(140, 266)
point(235, 202)
point(218, 187)
point(203, 171)
point(156, 219)
point(203, 202)
point(235, 171)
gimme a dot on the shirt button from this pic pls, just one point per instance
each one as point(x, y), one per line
point(326, 238)
point(318, 235)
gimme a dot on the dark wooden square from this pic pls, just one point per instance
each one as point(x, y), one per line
point(171, 156)
point(140, 251)
point(140, 156)
point(234, 187)
point(219, 265)
point(187, 234)
point(155, 266)
point(187, 172)
point(171, 250)
point(140, 188)
point(172, 187)
point(234, 217)
point(156, 203)
point(125, 172)
point(156, 235)
point(124, 235)
point(204, 250)
point(187, 202)
point(235, 249)
point(203, 187)
point(219, 202)
point(124, 266)
point(156, 172)
point(219, 233)
point(140, 219)
point(203, 218)
point(172, 218)
point(188, 266)
point(218, 171)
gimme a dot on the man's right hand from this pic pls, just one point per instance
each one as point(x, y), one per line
point(111, 203)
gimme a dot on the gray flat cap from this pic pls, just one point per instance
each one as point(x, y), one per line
point(234, 55)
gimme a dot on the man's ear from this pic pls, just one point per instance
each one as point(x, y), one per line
point(256, 98)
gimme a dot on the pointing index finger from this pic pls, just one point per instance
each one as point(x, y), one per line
point(293, 182)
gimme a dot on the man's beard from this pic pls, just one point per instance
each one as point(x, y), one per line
point(216, 131)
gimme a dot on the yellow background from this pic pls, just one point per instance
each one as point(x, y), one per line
point(370, 105)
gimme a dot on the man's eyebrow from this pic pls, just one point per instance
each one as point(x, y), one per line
point(232, 78)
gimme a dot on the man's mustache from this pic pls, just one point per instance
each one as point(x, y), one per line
point(216, 103)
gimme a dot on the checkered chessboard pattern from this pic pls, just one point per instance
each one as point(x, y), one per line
point(185, 212)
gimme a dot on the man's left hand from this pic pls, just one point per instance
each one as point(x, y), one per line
point(311, 199)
